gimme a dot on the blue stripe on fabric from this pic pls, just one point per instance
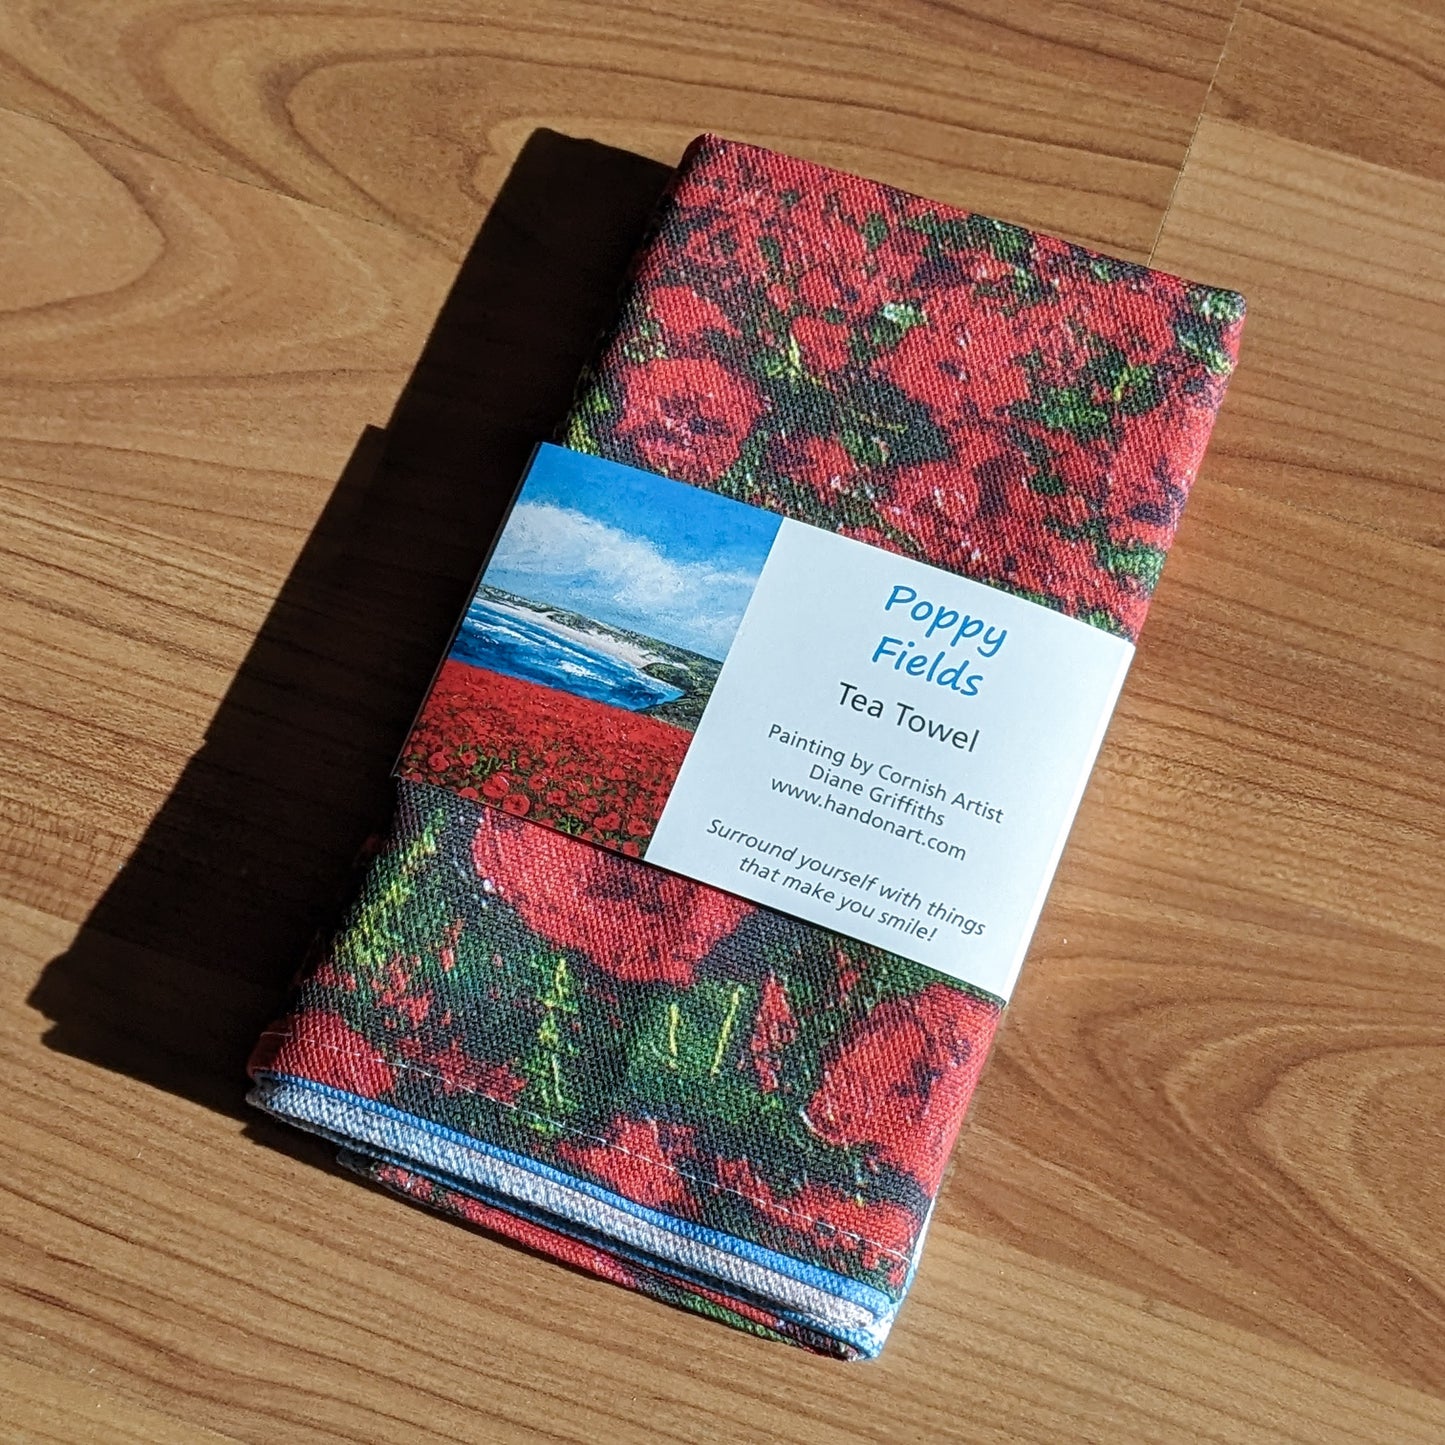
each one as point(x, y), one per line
point(313, 1113)
point(866, 1342)
point(819, 1278)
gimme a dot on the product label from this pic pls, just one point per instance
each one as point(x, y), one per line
point(852, 737)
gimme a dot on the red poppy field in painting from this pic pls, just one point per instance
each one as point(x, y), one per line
point(594, 771)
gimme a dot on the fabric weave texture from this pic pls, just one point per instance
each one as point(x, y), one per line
point(652, 1080)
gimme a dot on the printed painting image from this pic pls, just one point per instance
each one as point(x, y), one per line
point(590, 647)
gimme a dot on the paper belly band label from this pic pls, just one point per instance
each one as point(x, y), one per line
point(875, 745)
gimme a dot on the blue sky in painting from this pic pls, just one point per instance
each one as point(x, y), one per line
point(632, 549)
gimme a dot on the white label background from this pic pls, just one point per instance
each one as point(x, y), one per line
point(813, 623)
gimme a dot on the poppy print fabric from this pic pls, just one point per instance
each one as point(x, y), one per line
point(652, 1080)
point(987, 399)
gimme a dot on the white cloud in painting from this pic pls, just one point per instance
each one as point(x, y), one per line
point(554, 554)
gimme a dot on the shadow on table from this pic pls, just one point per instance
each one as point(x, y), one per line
point(188, 953)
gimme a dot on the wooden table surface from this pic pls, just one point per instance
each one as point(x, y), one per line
point(286, 292)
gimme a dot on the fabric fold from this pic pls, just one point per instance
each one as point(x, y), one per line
point(646, 1078)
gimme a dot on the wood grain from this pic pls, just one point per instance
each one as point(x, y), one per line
point(1341, 406)
point(1200, 1197)
point(185, 364)
point(1076, 118)
point(1362, 81)
point(41, 1406)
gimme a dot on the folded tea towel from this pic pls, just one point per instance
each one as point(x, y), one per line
point(647, 1078)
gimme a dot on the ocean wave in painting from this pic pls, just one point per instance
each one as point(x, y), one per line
point(536, 648)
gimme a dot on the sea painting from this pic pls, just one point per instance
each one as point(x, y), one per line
point(589, 648)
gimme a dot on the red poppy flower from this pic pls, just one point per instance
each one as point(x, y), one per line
point(323, 1046)
point(459, 1073)
point(729, 216)
point(686, 316)
point(687, 418)
point(824, 343)
point(821, 464)
point(639, 924)
point(933, 503)
point(643, 1160)
point(774, 1028)
point(899, 1082)
point(879, 1234)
